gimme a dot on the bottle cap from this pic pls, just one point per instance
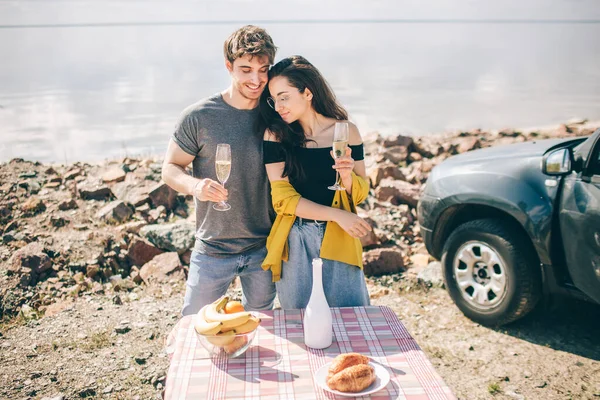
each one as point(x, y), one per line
point(317, 262)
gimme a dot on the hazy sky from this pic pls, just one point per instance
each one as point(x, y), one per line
point(14, 12)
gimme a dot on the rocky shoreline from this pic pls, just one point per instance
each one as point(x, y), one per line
point(93, 259)
point(108, 228)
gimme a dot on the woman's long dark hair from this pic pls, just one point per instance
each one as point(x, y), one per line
point(300, 74)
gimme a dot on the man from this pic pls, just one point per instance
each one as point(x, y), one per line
point(228, 243)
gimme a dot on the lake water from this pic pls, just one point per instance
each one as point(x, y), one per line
point(89, 80)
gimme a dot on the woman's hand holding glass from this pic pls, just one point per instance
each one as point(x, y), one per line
point(344, 166)
point(340, 143)
point(354, 225)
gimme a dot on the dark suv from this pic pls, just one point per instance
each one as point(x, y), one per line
point(511, 223)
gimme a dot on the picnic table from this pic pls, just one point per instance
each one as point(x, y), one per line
point(279, 366)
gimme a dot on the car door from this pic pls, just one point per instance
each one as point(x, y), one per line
point(579, 220)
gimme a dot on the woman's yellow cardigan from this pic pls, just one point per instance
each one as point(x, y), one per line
point(337, 244)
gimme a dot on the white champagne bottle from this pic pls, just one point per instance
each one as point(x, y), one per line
point(318, 329)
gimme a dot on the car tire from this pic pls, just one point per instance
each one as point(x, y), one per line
point(514, 284)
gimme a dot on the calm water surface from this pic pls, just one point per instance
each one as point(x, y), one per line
point(89, 80)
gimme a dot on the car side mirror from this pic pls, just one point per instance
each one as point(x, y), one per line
point(557, 162)
point(577, 164)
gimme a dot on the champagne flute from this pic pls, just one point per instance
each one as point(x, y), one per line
point(223, 168)
point(340, 141)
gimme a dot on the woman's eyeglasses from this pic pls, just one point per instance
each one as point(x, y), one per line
point(281, 100)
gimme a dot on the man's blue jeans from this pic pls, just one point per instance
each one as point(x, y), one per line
point(210, 277)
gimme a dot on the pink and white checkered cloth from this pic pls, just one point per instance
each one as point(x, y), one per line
point(278, 365)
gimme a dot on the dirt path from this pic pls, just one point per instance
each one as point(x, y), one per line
point(552, 354)
point(98, 348)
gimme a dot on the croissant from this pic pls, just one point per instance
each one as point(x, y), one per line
point(346, 360)
point(352, 379)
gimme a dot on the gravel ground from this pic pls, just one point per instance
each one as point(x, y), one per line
point(112, 348)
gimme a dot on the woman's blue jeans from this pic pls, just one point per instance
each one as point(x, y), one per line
point(344, 284)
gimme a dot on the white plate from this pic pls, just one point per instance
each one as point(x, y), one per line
point(382, 377)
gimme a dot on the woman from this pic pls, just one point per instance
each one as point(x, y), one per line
point(300, 111)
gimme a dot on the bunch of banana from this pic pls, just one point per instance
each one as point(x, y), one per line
point(220, 327)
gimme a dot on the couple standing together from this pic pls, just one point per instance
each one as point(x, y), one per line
point(279, 122)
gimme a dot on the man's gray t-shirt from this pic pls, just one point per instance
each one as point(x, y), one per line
point(247, 224)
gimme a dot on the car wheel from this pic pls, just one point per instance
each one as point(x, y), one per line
point(492, 275)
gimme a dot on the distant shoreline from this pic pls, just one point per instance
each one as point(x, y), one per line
point(542, 130)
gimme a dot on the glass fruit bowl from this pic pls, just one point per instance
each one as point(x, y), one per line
point(224, 327)
point(231, 345)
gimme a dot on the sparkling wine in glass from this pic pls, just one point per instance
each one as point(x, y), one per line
point(223, 168)
point(340, 141)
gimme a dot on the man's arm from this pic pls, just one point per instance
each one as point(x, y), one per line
point(174, 175)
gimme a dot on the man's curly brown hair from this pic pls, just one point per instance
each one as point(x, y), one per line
point(250, 40)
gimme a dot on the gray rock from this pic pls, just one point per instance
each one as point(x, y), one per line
point(509, 133)
point(370, 239)
point(11, 226)
point(115, 174)
point(34, 187)
point(163, 195)
point(122, 328)
point(133, 227)
point(432, 274)
point(468, 144)
point(31, 257)
point(72, 174)
point(68, 205)
point(142, 357)
point(5, 213)
point(28, 174)
point(383, 261)
point(414, 156)
point(176, 237)
point(382, 171)
point(398, 140)
point(89, 190)
point(132, 192)
point(33, 206)
point(117, 300)
point(398, 192)
point(58, 222)
point(141, 251)
point(163, 268)
point(92, 270)
point(422, 148)
point(156, 214)
point(115, 212)
point(88, 391)
point(396, 154)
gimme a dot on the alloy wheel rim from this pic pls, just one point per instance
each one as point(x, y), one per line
point(480, 275)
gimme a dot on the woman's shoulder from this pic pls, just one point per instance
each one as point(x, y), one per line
point(269, 136)
point(354, 134)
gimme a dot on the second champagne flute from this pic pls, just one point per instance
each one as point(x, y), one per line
point(223, 169)
point(340, 141)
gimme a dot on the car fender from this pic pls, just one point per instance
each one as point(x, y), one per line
point(527, 201)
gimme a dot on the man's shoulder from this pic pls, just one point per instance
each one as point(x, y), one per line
point(206, 105)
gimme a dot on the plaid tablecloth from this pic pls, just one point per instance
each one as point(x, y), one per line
point(279, 366)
